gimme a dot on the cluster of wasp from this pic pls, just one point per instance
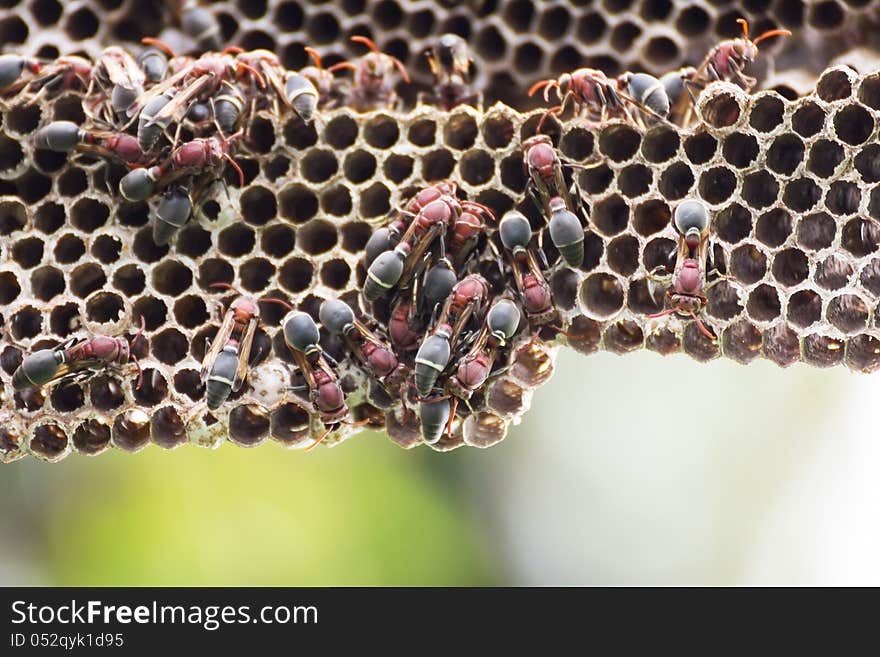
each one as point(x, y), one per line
point(450, 288)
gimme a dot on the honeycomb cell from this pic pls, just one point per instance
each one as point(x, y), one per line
point(153, 388)
point(73, 182)
point(651, 217)
point(635, 180)
point(596, 180)
point(190, 311)
point(781, 345)
point(422, 133)
point(623, 255)
point(9, 288)
point(256, 274)
point(169, 346)
point(564, 284)
point(375, 202)
point(697, 345)
point(26, 323)
point(748, 264)
point(741, 149)
point(676, 181)
point(460, 131)
point(863, 353)
point(823, 351)
point(724, 301)
point(130, 280)
point(833, 273)
point(166, 428)
point(145, 248)
point(611, 215)
point(853, 124)
point(298, 203)
point(48, 217)
point(104, 307)
point(801, 194)
point(619, 142)
point(660, 144)
point(790, 267)
point(700, 147)
point(645, 297)
point(172, 278)
point(867, 163)
point(289, 424)
point(131, 430)
point(437, 165)
point(49, 441)
point(188, 382)
point(659, 253)
point(601, 296)
point(91, 437)
point(296, 274)
point(870, 276)
point(23, 119)
point(722, 109)
point(299, 135)
point(717, 185)
point(248, 425)
point(860, 237)
point(28, 252)
point(848, 313)
point(741, 341)
point(843, 198)
point(623, 337)
point(761, 189)
point(774, 227)
point(318, 166)
point(506, 398)
point(258, 205)
point(825, 157)
point(733, 224)
point(106, 248)
point(477, 167)
point(235, 241)
point(335, 274)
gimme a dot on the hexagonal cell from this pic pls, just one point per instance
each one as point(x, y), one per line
point(848, 313)
point(741, 341)
point(248, 425)
point(49, 442)
point(782, 346)
point(786, 154)
point(863, 353)
point(623, 337)
point(843, 198)
point(760, 189)
point(660, 144)
point(717, 185)
point(721, 109)
point(790, 267)
point(619, 142)
point(804, 308)
point(833, 273)
point(91, 437)
point(506, 397)
point(870, 276)
point(698, 345)
point(576, 144)
point(676, 181)
point(700, 147)
point(623, 254)
point(853, 124)
point(741, 149)
point(825, 156)
point(610, 215)
point(748, 264)
point(834, 85)
point(601, 296)
point(131, 430)
point(289, 425)
point(860, 237)
point(801, 194)
point(583, 334)
point(484, 430)
point(766, 113)
point(763, 304)
point(816, 231)
point(531, 364)
point(724, 301)
point(823, 351)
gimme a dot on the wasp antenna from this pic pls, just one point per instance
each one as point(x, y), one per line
point(539, 85)
point(161, 45)
point(745, 26)
point(315, 56)
point(280, 302)
point(225, 286)
point(342, 65)
point(400, 67)
point(241, 66)
point(702, 327)
point(318, 441)
point(367, 41)
point(552, 110)
point(771, 33)
point(231, 160)
point(233, 50)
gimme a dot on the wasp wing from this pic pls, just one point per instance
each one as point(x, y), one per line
point(244, 354)
point(220, 341)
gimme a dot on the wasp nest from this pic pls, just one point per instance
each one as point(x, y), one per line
point(791, 186)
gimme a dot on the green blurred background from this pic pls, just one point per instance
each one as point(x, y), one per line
point(628, 470)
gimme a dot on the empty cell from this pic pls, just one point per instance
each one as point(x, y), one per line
point(106, 307)
point(577, 144)
point(808, 119)
point(651, 217)
point(634, 180)
point(341, 132)
point(624, 35)
point(26, 323)
point(64, 319)
point(801, 194)
point(722, 110)
point(760, 189)
point(826, 15)
point(748, 264)
point(73, 182)
point(359, 166)
point(145, 248)
point(258, 205)
point(91, 437)
point(717, 185)
point(477, 167)
point(863, 353)
point(261, 135)
point(663, 341)
point(256, 274)
point(723, 301)
point(676, 181)
point(595, 180)
point(498, 131)
point(87, 278)
point(11, 153)
point(153, 310)
point(660, 252)
point(381, 132)
point(133, 214)
point(422, 132)
point(742, 341)
point(623, 255)
point(763, 304)
point(48, 217)
point(248, 425)
point(106, 248)
point(823, 351)
point(193, 241)
point(611, 215)
point(296, 274)
point(869, 91)
point(299, 135)
point(298, 203)
point(106, 392)
point(335, 274)
point(169, 346)
point(782, 345)
point(336, 201)
point(153, 389)
point(843, 198)
point(190, 311)
point(867, 163)
point(437, 165)
point(645, 297)
point(171, 277)
point(623, 337)
point(278, 240)
point(318, 166)
point(700, 148)
point(166, 428)
point(601, 295)
point(697, 345)
point(31, 187)
point(661, 50)
point(740, 149)
point(619, 142)
point(236, 240)
point(289, 424)
point(766, 113)
point(691, 21)
point(9, 287)
point(790, 267)
point(774, 227)
point(28, 252)
point(590, 28)
point(870, 276)
point(131, 430)
point(48, 441)
point(398, 168)
point(88, 214)
point(564, 285)
point(489, 44)
point(375, 202)
point(825, 156)
point(23, 119)
point(853, 124)
point(215, 270)
point(848, 313)
point(833, 273)
point(834, 85)
point(460, 131)
point(188, 382)
point(804, 308)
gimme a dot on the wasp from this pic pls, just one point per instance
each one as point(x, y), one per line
point(686, 294)
point(76, 359)
point(64, 73)
point(450, 62)
point(323, 80)
point(120, 78)
point(372, 85)
point(12, 68)
point(225, 365)
point(534, 291)
point(66, 136)
point(301, 336)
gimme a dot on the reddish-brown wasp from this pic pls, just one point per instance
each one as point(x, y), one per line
point(373, 82)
